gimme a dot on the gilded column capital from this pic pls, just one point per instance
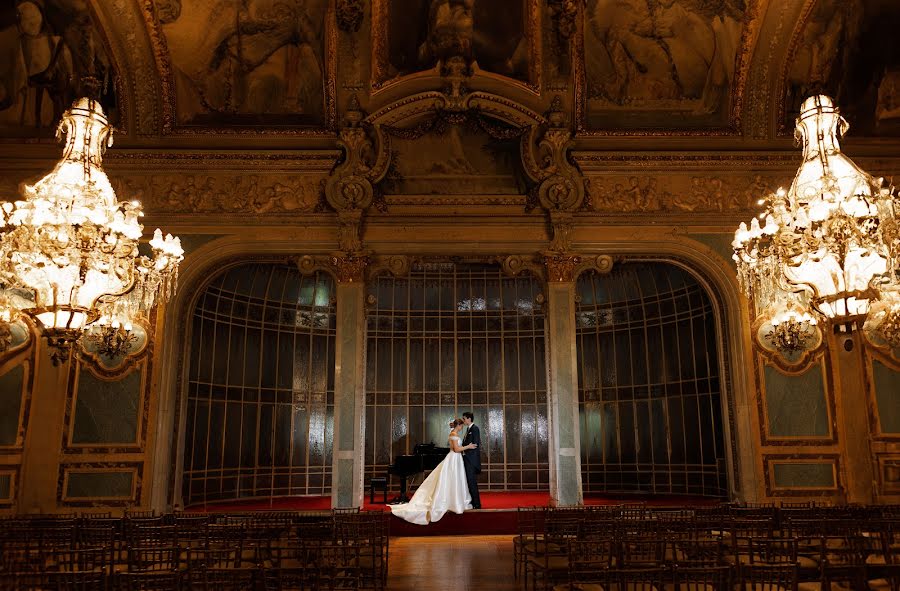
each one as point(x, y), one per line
point(350, 268)
point(563, 267)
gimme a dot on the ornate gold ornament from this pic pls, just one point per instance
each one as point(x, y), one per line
point(828, 247)
point(69, 251)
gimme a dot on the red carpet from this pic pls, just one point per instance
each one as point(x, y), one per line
point(497, 516)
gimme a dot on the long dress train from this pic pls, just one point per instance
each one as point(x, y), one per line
point(444, 490)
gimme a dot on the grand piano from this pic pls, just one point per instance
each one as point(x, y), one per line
point(425, 456)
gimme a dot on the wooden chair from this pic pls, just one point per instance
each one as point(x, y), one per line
point(756, 577)
point(702, 578)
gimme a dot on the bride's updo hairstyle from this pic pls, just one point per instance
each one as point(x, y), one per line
point(455, 422)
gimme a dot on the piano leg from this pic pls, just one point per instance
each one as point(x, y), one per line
point(402, 498)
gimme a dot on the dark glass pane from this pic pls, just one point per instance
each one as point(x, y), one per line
point(652, 356)
point(277, 380)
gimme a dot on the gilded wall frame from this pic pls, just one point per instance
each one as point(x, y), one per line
point(134, 498)
point(771, 460)
point(68, 447)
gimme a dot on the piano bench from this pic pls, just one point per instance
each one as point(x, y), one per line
point(381, 483)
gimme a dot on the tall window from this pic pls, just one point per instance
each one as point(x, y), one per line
point(261, 385)
point(649, 385)
point(454, 337)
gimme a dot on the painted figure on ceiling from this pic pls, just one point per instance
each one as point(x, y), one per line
point(661, 51)
point(258, 59)
point(36, 70)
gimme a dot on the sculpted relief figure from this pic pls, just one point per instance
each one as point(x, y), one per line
point(650, 51)
point(259, 62)
point(488, 32)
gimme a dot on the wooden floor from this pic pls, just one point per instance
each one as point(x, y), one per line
point(455, 563)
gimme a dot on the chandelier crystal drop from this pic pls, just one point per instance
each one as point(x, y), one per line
point(69, 249)
point(792, 331)
point(832, 240)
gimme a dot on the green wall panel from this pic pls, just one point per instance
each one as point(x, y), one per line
point(887, 396)
point(99, 484)
point(804, 475)
point(107, 412)
point(10, 404)
point(5, 485)
point(796, 405)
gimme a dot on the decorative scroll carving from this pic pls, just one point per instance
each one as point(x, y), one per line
point(396, 265)
point(559, 184)
point(351, 188)
point(516, 264)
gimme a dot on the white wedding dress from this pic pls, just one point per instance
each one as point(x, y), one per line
point(444, 490)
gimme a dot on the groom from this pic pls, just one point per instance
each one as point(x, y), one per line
point(472, 458)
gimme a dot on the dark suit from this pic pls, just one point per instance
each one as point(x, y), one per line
point(472, 463)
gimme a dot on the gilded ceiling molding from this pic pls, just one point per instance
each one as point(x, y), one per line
point(770, 47)
point(121, 22)
point(780, 84)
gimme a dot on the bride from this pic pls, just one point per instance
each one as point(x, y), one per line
point(444, 490)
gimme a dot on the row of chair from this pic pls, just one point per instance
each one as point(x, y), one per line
point(302, 550)
point(596, 546)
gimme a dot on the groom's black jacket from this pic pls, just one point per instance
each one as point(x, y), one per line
point(473, 456)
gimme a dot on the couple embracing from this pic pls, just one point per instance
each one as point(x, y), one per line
point(453, 484)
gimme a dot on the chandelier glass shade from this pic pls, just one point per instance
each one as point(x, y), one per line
point(829, 245)
point(69, 254)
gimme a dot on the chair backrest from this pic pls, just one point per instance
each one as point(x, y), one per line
point(702, 578)
point(767, 577)
point(773, 550)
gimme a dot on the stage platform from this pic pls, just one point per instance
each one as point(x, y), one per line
point(496, 517)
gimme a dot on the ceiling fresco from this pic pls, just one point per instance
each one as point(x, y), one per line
point(850, 50)
point(645, 61)
point(620, 67)
point(51, 53)
point(256, 63)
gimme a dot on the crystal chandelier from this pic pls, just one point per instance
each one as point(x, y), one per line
point(69, 250)
point(829, 245)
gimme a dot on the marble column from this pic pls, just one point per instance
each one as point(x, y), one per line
point(857, 459)
point(349, 394)
point(565, 439)
point(43, 439)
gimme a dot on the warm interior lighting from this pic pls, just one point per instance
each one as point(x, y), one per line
point(830, 241)
point(69, 249)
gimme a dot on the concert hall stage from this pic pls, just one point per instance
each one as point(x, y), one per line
point(497, 515)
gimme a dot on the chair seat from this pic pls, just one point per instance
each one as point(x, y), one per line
point(553, 563)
